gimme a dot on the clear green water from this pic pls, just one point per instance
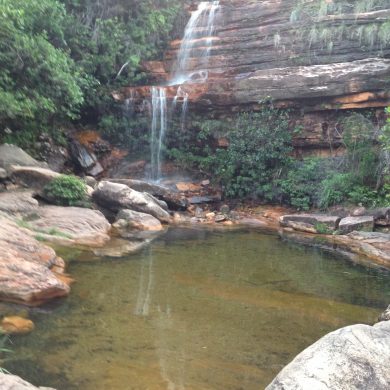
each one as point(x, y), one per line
point(198, 310)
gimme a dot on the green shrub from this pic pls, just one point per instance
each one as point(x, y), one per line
point(335, 189)
point(66, 190)
point(300, 186)
point(258, 151)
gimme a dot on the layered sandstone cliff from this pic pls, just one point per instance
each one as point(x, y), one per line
point(300, 54)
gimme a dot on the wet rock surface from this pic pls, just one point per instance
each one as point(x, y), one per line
point(16, 325)
point(354, 357)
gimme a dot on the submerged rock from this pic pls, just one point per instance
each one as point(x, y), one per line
point(26, 265)
point(16, 325)
point(354, 357)
point(119, 247)
point(13, 382)
point(116, 197)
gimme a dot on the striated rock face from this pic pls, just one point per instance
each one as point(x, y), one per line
point(26, 266)
point(291, 51)
point(71, 225)
point(354, 357)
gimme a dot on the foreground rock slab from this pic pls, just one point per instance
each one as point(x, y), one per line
point(354, 357)
point(13, 382)
point(27, 267)
point(71, 225)
point(115, 197)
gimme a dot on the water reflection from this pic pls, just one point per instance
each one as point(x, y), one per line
point(198, 311)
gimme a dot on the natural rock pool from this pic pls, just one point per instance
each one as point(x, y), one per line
point(198, 310)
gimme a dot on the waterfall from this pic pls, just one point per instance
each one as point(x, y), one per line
point(158, 128)
point(197, 36)
point(196, 45)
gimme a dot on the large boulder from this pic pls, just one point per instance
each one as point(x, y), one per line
point(115, 197)
point(18, 202)
point(174, 199)
point(354, 357)
point(28, 269)
point(71, 225)
point(13, 155)
point(13, 382)
point(32, 177)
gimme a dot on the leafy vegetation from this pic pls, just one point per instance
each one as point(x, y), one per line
point(259, 144)
point(256, 160)
point(60, 59)
point(324, 32)
point(66, 190)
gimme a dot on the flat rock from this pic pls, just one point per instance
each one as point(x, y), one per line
point(71, 225)
point(26, 266)
point(115, 197)
point(13, 382)
point(354, 357)
point(349, 224)
point(13, 155)
point(310, 222)
point(18, 202)
point(32, 177)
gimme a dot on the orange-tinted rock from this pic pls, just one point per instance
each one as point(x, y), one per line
point(16, 325)
point(25, 267)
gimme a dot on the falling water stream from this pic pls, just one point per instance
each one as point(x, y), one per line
point(195, 48)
